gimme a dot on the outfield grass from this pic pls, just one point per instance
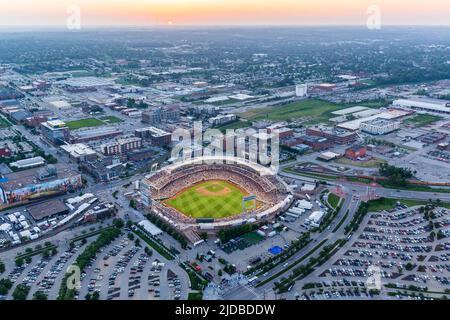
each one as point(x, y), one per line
point(317, 109)
point(209, 199)
point(84, 123)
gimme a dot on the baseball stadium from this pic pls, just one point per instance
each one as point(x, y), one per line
point(196, 195)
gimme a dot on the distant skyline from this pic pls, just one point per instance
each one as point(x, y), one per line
point(222, 12)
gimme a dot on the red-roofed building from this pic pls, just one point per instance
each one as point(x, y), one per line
point(356, 152)
point(5, 151)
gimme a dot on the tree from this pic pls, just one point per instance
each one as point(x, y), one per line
point(19, 262)
point(21, 292)
point(39, 295)
point(137, 242)
point(118, 223)
point(95, 295)
point(5, 286)
point(129, 224)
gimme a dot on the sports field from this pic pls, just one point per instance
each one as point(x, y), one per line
point(84, 123)
point(317, 110)
point(210, 199)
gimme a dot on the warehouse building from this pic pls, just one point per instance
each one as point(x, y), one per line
point(334, 135)
point(47, 209)
point(431, 105)
point(380, 126)
point(87, 135)
point(32, 184)
point(79, 152)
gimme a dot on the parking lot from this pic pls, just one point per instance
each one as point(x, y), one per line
point(409, 247)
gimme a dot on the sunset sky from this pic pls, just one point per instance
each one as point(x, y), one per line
point(223, 12)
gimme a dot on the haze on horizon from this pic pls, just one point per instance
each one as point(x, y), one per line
point(222, 12)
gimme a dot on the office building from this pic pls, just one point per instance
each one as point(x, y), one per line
point(380, 126)
point(55, 132)
point(121, 146)
point(161, 115)
point(156, 136)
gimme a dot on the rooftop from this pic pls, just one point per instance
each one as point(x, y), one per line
point(47, 209)
point(16, 180)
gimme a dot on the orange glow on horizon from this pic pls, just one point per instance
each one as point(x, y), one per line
point(223, 12)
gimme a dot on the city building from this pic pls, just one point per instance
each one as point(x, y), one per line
point(156, 136)
point(120, 146)
point(356, 152)
point(432, 137)
point(28, 163)
point(87, 135)
point(334, 135)
point(5, 151)
point(315, 219)
point(315, 142)
point(301, 90)
point(36, 120)
point(222, 119)
point(79, 152)
point(32, 184)
point(425, 104)
point(161, 115)
point(55, 131)
point(104, 170)
point(380, 126)
point(282, 131)
point(47, 209)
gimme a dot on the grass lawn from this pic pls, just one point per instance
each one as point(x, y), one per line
point(209, 199)
point(422, 120)
point(386, 204)
point(252, 238)
point(84, 123)
point(414, 187)
point(234, 125)
point(195, 296)
point(373, 163)
point(111, 119)
point(317, 109)
point(333, 200)
point(4, 123)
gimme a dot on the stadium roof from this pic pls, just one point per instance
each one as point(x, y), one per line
point(262, 170)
